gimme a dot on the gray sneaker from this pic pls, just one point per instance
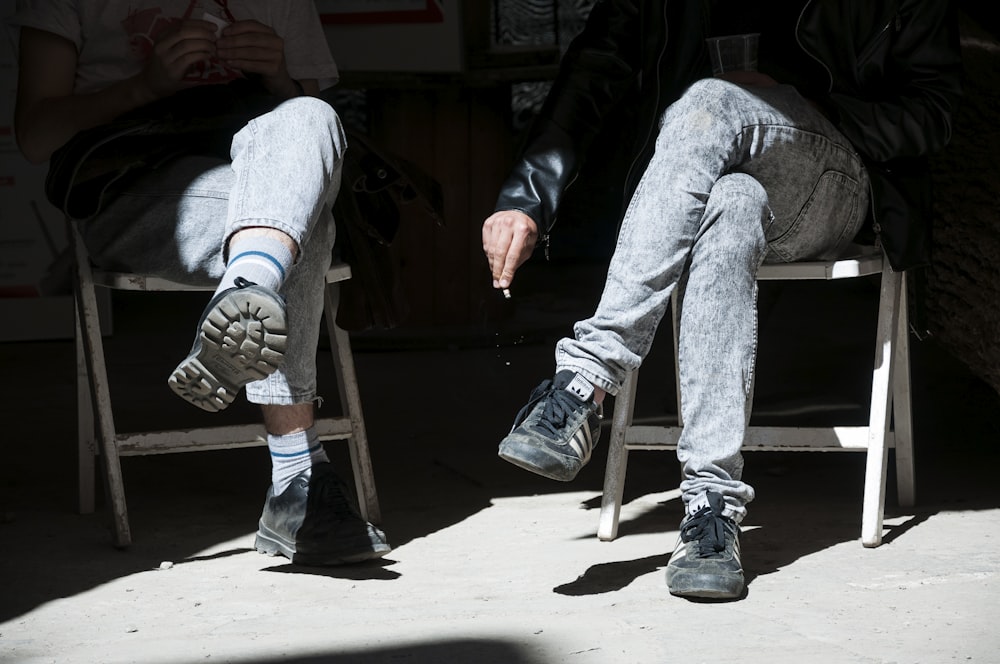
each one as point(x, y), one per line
point(555, 433)
point(241, 338)
point(706, 561)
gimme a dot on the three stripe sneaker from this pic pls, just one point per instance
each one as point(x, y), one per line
point(555, 433)
point(706, 560)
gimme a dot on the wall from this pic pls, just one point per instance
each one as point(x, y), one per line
point(431, 47)
point(962, 294)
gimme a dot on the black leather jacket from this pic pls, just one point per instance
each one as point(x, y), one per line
point(894, 80)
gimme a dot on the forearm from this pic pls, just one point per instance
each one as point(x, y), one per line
point(537, 181)
point(598, 70)
point(45, 125)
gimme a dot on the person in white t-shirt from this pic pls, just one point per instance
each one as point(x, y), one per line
point(253, 219)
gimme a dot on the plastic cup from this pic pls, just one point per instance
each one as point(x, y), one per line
point(733, 53)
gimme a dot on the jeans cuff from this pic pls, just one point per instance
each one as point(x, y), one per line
point(263, 398)
point(594, 374)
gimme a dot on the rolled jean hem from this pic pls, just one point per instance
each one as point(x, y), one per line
point(245, 223)
point(264, 399)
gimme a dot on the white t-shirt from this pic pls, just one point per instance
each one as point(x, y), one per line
point(114, 37)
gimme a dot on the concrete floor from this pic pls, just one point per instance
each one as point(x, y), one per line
point(492, 564)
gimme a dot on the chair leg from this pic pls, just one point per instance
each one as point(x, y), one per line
point(901, 412)
point(881, 398)
point(350, 400)
point(676, 322)
point(93, 347)
point(86, 440)
point(614, 473)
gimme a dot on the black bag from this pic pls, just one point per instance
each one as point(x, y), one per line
point(97, 163)
point(367, 213)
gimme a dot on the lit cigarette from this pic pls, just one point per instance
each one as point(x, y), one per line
point(506, 293)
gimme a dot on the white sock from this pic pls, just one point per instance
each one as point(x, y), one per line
point(261, 260)
point(293, 453)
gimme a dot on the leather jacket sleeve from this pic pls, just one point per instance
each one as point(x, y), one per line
point(918, 48)
point(601, 64)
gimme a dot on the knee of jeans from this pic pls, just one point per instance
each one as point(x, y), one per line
point(314, 117)
point(706, 103)
point(711, 91)
point(713, 87)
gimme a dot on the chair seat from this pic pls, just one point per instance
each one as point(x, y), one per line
point(858, 261)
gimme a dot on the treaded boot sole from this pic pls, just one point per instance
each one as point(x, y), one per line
point(271, 543)
point(539, 460)
point(242, 339)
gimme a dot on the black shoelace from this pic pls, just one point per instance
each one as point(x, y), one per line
point(708, 529)
point(559, 405)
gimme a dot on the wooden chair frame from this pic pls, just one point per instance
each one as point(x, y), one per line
point(889, 426)
point(98, 436)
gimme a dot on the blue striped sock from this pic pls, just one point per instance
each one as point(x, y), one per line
point(293, 453)
point(261, 260)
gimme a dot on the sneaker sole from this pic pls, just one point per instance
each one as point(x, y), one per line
point(272, 544)
point(706, 586)
point(538, 461)
point(242, 339)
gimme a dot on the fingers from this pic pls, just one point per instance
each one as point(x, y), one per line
point(175, 53)
point(244, 27)
point(187, 35)
point(509, 238)
point(253, 61)
point(191, 39)
point(252, 47)
point(496, 248)
point(515, 257)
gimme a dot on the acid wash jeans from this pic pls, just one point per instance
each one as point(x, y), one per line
point(176, 223)
point(739, 175)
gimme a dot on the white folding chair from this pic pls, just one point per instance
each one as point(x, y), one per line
point(889, 415)
point(96, 424)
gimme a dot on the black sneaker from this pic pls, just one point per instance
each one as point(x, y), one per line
point(241, 338)
point(555, 433)
point(706, 561)
point(313, 522)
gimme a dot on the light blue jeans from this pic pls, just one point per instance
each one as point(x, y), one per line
point(176, 222)
point(739, 176)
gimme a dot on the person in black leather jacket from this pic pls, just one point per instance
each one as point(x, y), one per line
point(827, 140)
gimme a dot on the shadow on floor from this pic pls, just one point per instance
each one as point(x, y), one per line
point(484, 651)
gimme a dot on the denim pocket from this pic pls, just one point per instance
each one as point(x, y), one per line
point(827, 221)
